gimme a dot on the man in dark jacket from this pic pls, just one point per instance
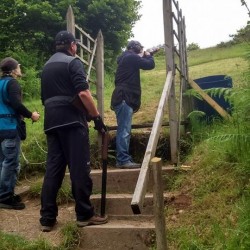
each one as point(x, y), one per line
point(126, 98)
point(63, 81)
point(11, 112)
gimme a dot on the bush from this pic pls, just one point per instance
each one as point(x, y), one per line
point(31, 65)
point(193, 46)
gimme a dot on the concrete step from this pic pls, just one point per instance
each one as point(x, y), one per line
point(124, 181)
point(119, 204)
point(120, 233)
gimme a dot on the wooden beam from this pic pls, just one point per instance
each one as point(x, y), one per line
point(169, 57)
point(209, 100)
point(86, 34)
point(145, 125)
point(141, 185)
point(70, 20)
point(160, 224)
point(99, 46)
point(91, 60)
point(100, 72)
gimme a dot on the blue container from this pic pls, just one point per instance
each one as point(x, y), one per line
point(215, 81)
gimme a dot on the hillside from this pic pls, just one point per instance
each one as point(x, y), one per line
point(215, 184)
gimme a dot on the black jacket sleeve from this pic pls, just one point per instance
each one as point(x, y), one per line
point(15, 99)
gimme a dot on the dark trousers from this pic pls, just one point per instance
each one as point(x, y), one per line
point(67, 146)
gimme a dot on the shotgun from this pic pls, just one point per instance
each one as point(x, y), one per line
point(105, 142)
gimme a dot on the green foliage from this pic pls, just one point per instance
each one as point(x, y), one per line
point(110, 17)
point(14, 242)
point(239, 238)
point(34, 148)
point(243, 35)
point(234, 135)
point(64, 194)
point(30, 84)
point(226, 44)
point(71, 236)
point(30, 66)
point(220, 190)
point(193, 46)
point(196, 125)
point(27, 25)
point(215, 54)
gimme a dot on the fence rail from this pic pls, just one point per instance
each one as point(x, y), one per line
point(92, 55)
point(141, 186)
point(168, 96)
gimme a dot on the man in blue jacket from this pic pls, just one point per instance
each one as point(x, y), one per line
point(126, 98)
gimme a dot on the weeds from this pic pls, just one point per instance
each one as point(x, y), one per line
point(70, 235)
point(64, 193)
point(219, 182)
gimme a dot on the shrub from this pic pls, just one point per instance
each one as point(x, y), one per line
point(193, 46)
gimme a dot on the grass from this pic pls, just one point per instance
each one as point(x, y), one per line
point(212, 218)
point(14, 242)
point(215, 54)
point(226, 61)
point(219, 185)
point(233, 67)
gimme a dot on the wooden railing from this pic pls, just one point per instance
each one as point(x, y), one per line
point(168, 97)
point(141, 186)
point(159, 210)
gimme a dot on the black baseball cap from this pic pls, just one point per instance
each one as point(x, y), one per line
point(8, 64)
point(134, 44)
point(65, 37)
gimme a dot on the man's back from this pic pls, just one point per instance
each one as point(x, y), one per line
point(62, 78)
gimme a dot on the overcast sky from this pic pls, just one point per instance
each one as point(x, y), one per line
point(208, 22)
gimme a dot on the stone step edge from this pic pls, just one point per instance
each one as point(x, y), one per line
point(168, 195)
point(125, 222)
point(115, 170)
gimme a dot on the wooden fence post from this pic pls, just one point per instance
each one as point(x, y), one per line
point(70, 20)
point(100, 73)
point(160, 225)
point(169, 52)
point(100, 78)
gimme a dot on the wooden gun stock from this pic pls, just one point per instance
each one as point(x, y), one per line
point(77, 102)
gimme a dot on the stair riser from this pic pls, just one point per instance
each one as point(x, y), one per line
point(135, 238)
point(124, 181)
point(122, 206)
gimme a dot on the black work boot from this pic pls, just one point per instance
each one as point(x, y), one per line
point(12, 203)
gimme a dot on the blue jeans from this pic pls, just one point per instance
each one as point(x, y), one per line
point(9, 166)
point(124, 115)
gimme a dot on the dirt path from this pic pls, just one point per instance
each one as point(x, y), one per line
point(26, 222)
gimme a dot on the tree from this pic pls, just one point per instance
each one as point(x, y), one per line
point(115, 23)
point(32, 24)
point(193, 46)
point(27, 25)
point(243, 35)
